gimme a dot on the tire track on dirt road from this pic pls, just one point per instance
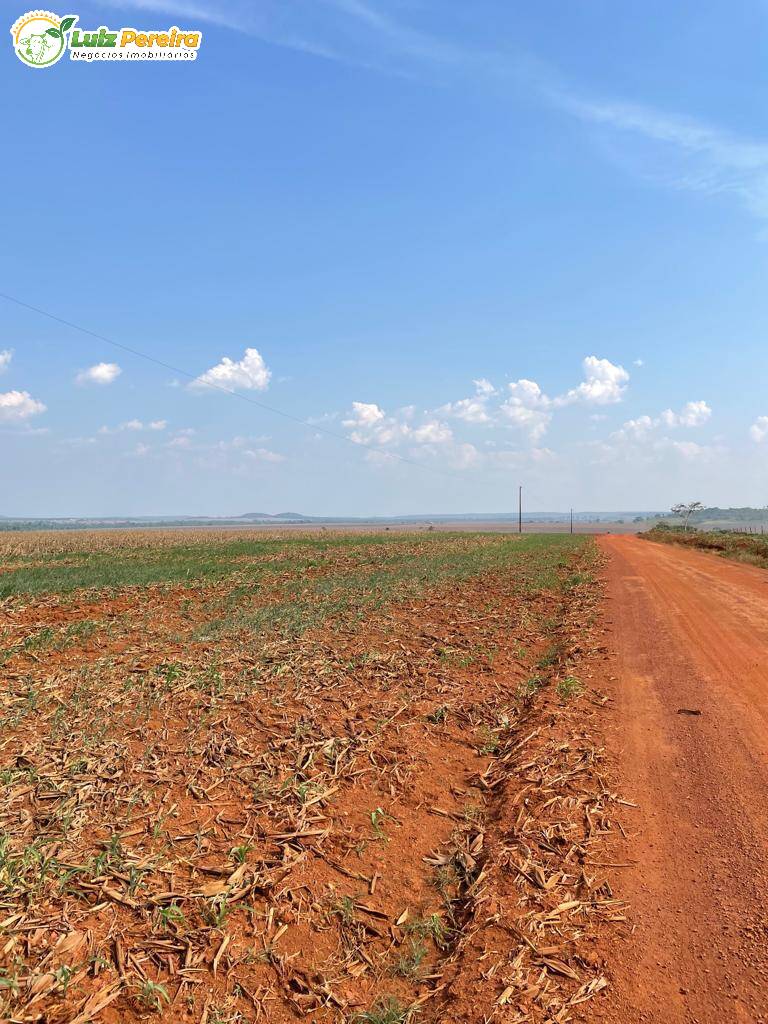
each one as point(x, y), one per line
point(689, 632)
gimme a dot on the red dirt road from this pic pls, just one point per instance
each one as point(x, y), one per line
point(690, 631)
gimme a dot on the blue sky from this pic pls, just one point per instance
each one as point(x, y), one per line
point(503, 242)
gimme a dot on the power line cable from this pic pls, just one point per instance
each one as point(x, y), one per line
point(227, 391)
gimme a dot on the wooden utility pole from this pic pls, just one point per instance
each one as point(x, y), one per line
point(520, 509)
point(571, 520)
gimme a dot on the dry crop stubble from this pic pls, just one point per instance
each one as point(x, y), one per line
point(273, 776)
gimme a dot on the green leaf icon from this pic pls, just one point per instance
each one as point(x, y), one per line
point(68, 22)
point(53, 32)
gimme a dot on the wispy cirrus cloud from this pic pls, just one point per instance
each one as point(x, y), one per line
point(356, 32)
point(680, 152)
point(397, 36)
point(671, 150)
point(273, 23)
point(229, 14)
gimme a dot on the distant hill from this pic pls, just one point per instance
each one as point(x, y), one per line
point(300, 519)
point(277, 515)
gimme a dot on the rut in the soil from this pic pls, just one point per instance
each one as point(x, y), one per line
point(538, 898)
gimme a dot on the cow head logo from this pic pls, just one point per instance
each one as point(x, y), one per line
point(40, 38)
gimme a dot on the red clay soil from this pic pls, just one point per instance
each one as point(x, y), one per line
point(688, 634)
point(410, 805)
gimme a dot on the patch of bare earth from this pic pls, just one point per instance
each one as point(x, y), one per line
point(404, 814)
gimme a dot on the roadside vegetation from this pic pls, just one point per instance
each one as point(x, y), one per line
point(751, 548)
point(258, 777)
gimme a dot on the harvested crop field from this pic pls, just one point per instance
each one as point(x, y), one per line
point(332, 777)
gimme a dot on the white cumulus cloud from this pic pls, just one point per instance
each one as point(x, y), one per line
point(432, 432)
point(472, 410)
point(364, 414)
point(529, 394)
point(464, 456)
point(527, 407)
point(475, 409)
point(692, 414)
point(637, 429)
point(604, 383)
point(138, 425)
point(522, 404)
point(249, 373)
point(101, 373)
point(759, 429)
point(180, 441)
point(6, 355)
point(16, 406)
point(533, 421)
point(263, 455)
point(690, 450)
point(135, 425)
point(369, 424)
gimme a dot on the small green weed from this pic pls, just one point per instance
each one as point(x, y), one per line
point(409, 964)
point(385, 1011)
point(239, 853)
point(550, 657)
point(170, 916)
point(569, 687)
point(527, 691)
point(216, 912)
point(432, 927)
point(489, 741)
point(152, 995)
point(344, 908)
point(63, 976)
point(378, 817)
